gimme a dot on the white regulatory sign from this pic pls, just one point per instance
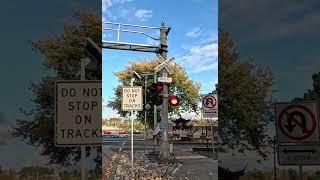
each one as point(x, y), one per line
point(165, 79)
point(132, 98)
point(299, 154)
point(297, 122)
point(78, 113)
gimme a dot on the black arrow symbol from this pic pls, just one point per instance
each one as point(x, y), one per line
point(299, 151)
point(290, 126)
point(291, 117)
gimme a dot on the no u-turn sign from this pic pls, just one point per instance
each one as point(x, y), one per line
point(297, 122)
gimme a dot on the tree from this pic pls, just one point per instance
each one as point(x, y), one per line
point(186, 89)
point(62, 54)
point(312, 94)
point(244, 100)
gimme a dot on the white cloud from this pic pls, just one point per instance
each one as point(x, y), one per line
point(143, 14)
point(106, 4)
point(194, 32)
point(200, 58)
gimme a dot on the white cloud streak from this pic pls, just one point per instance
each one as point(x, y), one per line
point(201, 58)
point(194, 32)
point(143, 14)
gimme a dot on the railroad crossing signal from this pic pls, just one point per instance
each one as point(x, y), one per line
point(155, 90)
point(164, 64)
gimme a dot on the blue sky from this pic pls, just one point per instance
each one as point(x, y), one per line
point(192, 40)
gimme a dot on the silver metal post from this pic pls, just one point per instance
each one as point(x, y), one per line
point(131, 84)
point(83, 150)
point(212, 141)
point(118, 38)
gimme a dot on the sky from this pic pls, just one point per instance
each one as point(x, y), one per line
point(281, 35)
point(285, 40)
point(192, 40)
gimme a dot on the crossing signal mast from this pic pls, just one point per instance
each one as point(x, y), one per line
point(160, 95)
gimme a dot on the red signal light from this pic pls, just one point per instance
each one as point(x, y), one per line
point(159, 87)
point(156, 88)
point(174, 100)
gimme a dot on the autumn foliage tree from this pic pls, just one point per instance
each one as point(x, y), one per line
point(61, 59)
point(186, 89)
point(244, 100)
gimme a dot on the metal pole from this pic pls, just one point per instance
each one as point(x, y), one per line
point(212, 141)
point(274, 159)
point(300, 173)
point(155, 116)
point(164, 145)
point(207, 138)
point(145, 113)
point(131, 84)
point(83, 150)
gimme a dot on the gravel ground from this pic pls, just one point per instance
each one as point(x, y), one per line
point(143, 169)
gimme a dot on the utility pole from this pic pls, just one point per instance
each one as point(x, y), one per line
point(164, 145)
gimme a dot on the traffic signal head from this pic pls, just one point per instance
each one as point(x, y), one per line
point(174, 100)
point(155, 97)
point(156, 88)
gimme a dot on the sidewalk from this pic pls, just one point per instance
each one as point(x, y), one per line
point(195, 167)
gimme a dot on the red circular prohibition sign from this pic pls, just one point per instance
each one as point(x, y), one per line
point(214, 103)
point(309, 132)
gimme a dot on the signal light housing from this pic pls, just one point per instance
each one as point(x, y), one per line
point(156, 89)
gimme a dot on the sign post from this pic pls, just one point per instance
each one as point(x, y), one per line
point(132, 101)
point(78, 114)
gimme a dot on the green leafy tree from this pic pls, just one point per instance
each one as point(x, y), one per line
point(244, 100)
point(186, 89)
point(62, 54)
